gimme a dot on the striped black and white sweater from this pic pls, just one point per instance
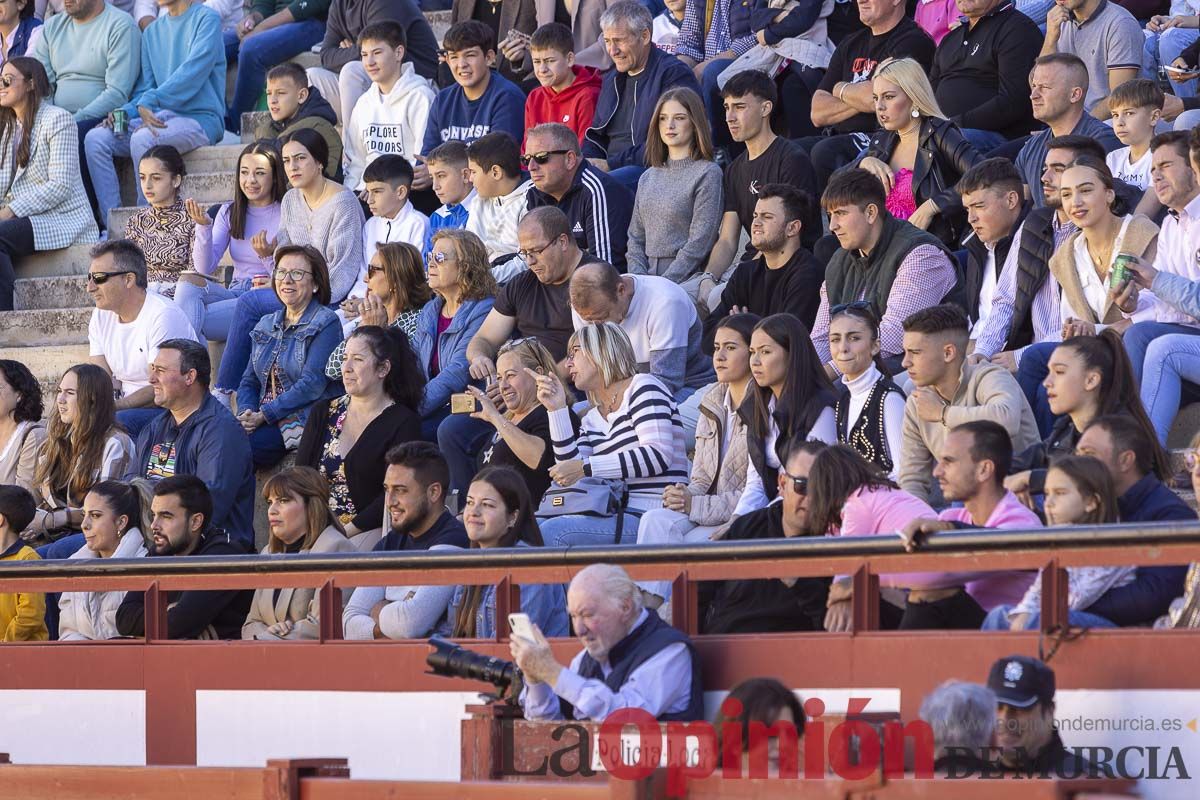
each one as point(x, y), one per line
point(641, 442)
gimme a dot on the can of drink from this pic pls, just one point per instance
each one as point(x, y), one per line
point(120, 119)
point(1120, 272)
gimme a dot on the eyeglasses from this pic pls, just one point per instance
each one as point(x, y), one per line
point(799, 485)
point(1191, 458)
point(101, 278)
point(542, 157)
point(371, 270)
point(536, 251)
point(857, 305)
point(295, 275)
point(513, 344)
point(8, 80)
point(437, 257)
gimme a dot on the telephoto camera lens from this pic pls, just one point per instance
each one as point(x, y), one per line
point(453, 661)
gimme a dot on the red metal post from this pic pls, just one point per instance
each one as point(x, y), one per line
point(864, 604)
point(154, 620)
point(1055, 612)
point(330, 623)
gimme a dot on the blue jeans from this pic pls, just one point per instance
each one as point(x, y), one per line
point(1170, 360)
point(1032, 370)
point(1163, 48)
point(266, 445)
point(460, 438)
point(1139, 337)
point(997, 620)
point(102, 146)
point(983, 141)
point(63, 548)
point(261, 51)
point(134, 419)
point(248, 310)
point(628, 176)
point(575, 530)
point(210, 307)
point(711, 94)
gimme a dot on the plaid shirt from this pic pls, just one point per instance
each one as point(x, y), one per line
point(47, 190)
point(923, 278)
point(697, 45)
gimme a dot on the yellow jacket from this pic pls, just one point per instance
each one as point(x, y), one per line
point(22, 614)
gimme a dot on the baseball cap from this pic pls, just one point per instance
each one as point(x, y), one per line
point(1021, 681)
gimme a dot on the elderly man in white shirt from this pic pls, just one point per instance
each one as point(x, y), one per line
point(631, 658)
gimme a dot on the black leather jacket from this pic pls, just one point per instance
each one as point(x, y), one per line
point(943, 156)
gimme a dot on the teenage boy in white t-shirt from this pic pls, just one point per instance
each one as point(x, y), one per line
point(1136, 108)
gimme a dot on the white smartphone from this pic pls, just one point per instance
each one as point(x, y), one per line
point(520, 625)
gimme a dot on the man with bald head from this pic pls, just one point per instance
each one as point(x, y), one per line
point(630, 658)
point(1058, 88)
point(658, 316)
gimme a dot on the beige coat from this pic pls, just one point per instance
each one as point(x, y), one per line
point(19, 456)
point(300, 606)
point(717, 481)
point(93, 615)
point(1141, 239)
point(985, 391)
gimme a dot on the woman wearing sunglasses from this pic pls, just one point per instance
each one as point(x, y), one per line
point(43, 206)
point(463, 292)
point(396, 293)
point(870, 408)
point(289, 351)
point(692, 511)
point(316, 212)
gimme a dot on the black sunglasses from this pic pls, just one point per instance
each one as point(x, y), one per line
point(857, 305)
point(542, 157)
point(101, 278)
point(799, 485)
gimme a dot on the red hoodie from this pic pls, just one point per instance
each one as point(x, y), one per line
point(574, 106)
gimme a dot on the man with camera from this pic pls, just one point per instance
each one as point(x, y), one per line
point(631, 658)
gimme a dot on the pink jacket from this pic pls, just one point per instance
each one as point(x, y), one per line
point(1000, 588)
point(936, 16)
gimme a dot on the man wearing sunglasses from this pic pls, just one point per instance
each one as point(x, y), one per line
point(127, 327)
point(597, 206)
point(771, 604)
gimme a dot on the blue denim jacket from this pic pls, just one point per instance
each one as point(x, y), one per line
point(545, 603)
point(452, 348)
point(303, 349)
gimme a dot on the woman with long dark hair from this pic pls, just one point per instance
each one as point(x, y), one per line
point(1089, 377)
point(21, 429)
point(498, 512)
point(847, 496)
point(791, 396)
point(43, 207)
point(870, 407)
point(247, 228)
point(84, 445)
point(116, 519)
point(300, 521)
point(346, 439)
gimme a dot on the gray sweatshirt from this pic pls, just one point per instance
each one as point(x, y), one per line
point(676, 219)
point(335, 229)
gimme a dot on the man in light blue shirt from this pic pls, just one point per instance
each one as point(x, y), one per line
point(179, 99)
point(631, 658)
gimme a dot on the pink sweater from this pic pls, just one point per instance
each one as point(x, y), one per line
point(1000, 588)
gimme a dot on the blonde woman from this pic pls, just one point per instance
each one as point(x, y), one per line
point(300, 521)
point(521, 439)
point(678, 206)
point(631, 434)
point(464, 290)
point(919, 155)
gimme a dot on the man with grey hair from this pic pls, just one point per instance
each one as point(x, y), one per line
point(616, 142)
point(631, 658)
point(127, 327)
point(597, 206)
point(962, 717)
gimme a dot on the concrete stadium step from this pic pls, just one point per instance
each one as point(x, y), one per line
point(47, 364)
point(73, 260)
point(59, 291)
point(46, 327)
point(207, 187)
point(220, 158)
point(1186, 425)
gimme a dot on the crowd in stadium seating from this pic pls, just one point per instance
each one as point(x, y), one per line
point(740, 271)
